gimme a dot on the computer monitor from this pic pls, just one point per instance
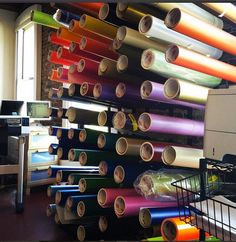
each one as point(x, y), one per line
point(11, 107)
point(38, 110)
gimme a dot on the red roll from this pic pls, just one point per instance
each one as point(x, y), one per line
point(88, 66)
point(98, 48)
point(62, 73)
point(65, 54)
point(54, 39)
point(53, 75)
point(193, 60)
point(52, 57)
point(89, 7)
point(75, 49)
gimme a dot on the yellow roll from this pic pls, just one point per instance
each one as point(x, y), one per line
point(186, 91)
point(227, 10)
point(182, 156)
point(97, 26)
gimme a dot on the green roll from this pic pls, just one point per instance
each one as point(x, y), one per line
point(107, 141)
point(73, 178)
point(94, 157)
point(154, 61)
point(155, 239)
point(89, 136)
point(44, 19)
point(90, 185)
point(74, 154)
point(90, 207)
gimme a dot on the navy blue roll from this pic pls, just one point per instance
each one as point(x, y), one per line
point(52, 149)
point(62, 195)
point(53, 112)
point(74, 200)
point(128, 172)
point(106, 168)
point(52, 131)
point(62, 132)
point(61, 113)
point(65, 17)
point(154, 216)
point(52, 170)
point(51, 191)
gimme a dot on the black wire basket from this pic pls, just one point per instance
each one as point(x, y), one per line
point(209, 199)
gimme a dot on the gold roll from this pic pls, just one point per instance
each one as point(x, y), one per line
point(227, 10)
point(133, 38)
point(182, 156)
point(186, 91)
point(97, 26)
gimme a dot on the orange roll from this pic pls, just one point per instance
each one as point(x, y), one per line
point(89, 7)
point(183, 57)
point(76, 29)
point(64, 33)
point(173, 229)
point(98, 26)
point(184, 23)
point(53, 75)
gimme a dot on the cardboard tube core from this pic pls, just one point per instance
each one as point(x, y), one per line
point(56, 219)
point(172, 53)
point(146, 89)
point(71, 155)
point(122, 6)
point(71, 133)
point(81, 65)
point(50, 149)
point(97, 90)
point(144, 122)
point(59, 152)
point(59, 176)
point(119, 120)
point(104, 11)
point(60, 92)
point(81, 209)
point(146, 151)
point(122, 63)
point(121, 146)
point(169, 230)
point(102, 118)
point(147, 59)
point(72, 25)
point(71, 90)
point(119, 174)
point(49, 190)
point(121, 33)
point(58, 197)
point(59, 133)
point(103, 224)
point(168, 155)
point(82, 135)
point(70, 179)
point(59, 71)
point(72, 69)
point(83, 43)
point(82, 185)
point(81, 233)
point(145, 219)
point(102, 197)
point(69, 202)
point(116, 44)
point(103, 168)
point(83, 158)
point(101, 141)
point(59, 52)
point(120, 90)
point(102, 66)
point(72, 47)
point(145, 24)
point(171, 88)
point(82, 20)
point(51, 92)
point(173, 17)
point(146, 184)
point(84, 88)
point(60, 112)
point(119, 206)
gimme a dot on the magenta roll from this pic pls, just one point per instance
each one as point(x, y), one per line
point(155, 92)
point(75, 49)
point(107, 196)
point(62, 73)
point(128, 206)
point(65, 54)
point(170, 125)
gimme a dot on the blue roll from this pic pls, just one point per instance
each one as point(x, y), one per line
point(76, 199)
point(106, 168)
point(52, 170)
point(62, 195)
point(153, 216)
point(52, 130)
point(52, 149)
point(51, 191)
point(63, 17)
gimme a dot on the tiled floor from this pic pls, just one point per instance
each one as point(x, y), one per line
point(33, 224)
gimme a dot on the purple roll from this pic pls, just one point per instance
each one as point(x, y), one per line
point(104, 92)
point(170, 125)
point(155, 92)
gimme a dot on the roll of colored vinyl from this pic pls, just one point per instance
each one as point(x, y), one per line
point(179, 20)
point(51, 191)
point(54, 39)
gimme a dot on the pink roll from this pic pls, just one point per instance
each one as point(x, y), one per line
point(149, 122)
point(130, 206)
point(107, 196)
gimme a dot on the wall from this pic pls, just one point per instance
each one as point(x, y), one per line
point(7, 54)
